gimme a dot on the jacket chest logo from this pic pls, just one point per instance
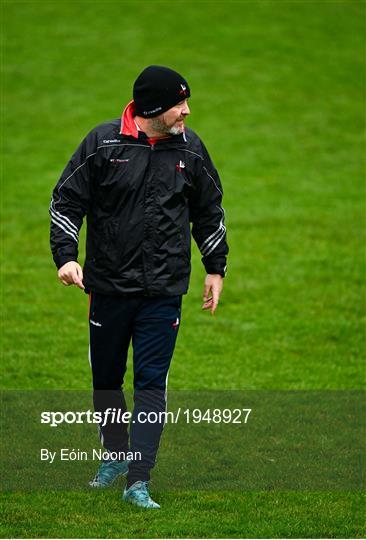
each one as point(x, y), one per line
point(115, 160)
point(181, 165)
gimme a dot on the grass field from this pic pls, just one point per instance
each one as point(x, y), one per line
point(278, 98)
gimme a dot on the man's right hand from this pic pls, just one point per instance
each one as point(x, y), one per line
point(71, 273)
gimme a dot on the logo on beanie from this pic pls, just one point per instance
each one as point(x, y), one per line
point(153, 110)
point(183, 90)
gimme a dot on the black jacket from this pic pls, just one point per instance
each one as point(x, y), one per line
point(139, 201)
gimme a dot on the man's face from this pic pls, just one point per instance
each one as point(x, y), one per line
point(171, 122)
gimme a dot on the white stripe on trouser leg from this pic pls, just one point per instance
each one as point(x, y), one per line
point(100, 434)
point(166, 396)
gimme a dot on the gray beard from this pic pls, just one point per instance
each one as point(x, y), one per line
point(160, 127)
point(175, 131)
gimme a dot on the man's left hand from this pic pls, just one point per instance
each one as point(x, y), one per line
point(212, 290)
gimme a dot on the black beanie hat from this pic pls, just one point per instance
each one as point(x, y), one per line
point(157, 89)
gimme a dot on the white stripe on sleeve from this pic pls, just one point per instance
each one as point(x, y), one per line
point(61, 226)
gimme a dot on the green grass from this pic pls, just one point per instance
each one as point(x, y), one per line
point(185, 515)
point(278, 98)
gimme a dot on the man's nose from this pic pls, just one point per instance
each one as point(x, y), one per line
point(186, 110)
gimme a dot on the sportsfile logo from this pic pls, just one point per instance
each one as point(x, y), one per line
point(113, 415)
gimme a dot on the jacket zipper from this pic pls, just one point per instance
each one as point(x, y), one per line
point(146, 289)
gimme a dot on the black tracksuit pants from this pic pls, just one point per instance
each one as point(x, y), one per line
point(152, 325)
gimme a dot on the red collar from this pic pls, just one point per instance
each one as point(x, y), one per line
point(128, 125)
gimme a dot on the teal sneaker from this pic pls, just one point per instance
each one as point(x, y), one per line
point(108, 471)
point(138, 494)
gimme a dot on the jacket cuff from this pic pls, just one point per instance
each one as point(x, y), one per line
point(216, 269)
point(60, 261)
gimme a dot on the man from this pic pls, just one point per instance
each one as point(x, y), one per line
point(140, 181)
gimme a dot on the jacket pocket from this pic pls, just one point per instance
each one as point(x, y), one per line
point(184, 258)
point(107, 245)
